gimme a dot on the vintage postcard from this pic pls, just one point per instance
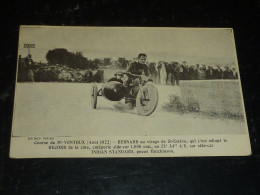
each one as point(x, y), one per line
point(127, 92)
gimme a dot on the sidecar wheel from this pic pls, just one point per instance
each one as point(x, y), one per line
point(94, 94)
point(147, 100)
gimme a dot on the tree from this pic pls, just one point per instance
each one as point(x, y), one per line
point(107, 61)
point(122, 63)
point(63, 57)
point(57, 56)
point(97, 62)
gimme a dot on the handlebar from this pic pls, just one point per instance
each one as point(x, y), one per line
point(135, 76)
point(128, 73)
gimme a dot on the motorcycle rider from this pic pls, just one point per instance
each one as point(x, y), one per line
point(137, 68)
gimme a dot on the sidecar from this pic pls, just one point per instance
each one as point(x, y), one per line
point(114, 90)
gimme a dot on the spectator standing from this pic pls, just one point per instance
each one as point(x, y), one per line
point(25, 72)
point(186, 74)
point(170, 74)
point(152, 71)
point(218, 73)
point(177, 70)
point(202, 72)
point(97, 77)
point(182, 71)
point(197, 69)
point(209, 73)
point(159, 70)
point(234, 72)
point(163, 74)
point(192, 73)
point(227, 74)
point(50, 75)
point(88, 76)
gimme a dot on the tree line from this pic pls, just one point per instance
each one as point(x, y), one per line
point(76, 60)
point(63, 57)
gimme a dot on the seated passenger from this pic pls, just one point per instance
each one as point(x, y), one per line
point(118, 77)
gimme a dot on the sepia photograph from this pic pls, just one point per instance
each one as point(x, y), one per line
point(146, 83)
point(125, 97)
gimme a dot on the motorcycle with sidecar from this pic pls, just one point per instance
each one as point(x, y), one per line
point(145, 96)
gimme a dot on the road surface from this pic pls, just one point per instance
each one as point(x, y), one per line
point(64, 109)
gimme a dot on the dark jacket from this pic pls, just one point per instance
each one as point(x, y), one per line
point(138, 68)
point(218, 74)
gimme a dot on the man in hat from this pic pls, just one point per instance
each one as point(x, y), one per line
point(176, 72)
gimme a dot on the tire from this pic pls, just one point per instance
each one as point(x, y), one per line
point(147, 100)
point(94, 94)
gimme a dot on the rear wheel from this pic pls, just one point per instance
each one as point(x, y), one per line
point(94, 93)
point(147, 100)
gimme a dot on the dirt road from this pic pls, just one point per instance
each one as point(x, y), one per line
point(64, 109)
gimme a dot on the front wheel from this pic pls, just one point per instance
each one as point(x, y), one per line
point(147, 100)
point(94, 93)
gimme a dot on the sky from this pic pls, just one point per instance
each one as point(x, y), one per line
point(194, 45)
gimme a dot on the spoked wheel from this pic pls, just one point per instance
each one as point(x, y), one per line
point(94, 94)
point(147, 99)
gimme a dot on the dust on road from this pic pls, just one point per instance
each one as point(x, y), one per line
point(64, 109)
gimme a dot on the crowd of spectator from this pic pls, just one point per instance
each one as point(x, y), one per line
point(27, 71)
point(63, 73)
point(161, 72)
point(174, 72)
